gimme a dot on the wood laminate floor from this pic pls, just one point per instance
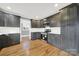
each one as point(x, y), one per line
point(37, 48)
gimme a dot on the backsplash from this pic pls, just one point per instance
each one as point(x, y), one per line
point(54, 30)
point(9, 30)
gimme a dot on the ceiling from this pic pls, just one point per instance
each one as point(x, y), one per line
point(33, 10)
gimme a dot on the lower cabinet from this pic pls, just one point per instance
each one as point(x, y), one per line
point(35, 35)
point(5, 41)
point(55, 40)
point(9, 40)
point(69, 41)
point(15, 38)
point(66, 41)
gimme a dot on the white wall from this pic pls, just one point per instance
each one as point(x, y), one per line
point(25, 23)
point(25, 28)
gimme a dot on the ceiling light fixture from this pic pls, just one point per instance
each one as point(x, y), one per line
point(8, 7)
point(36, 17)
point(56, 5)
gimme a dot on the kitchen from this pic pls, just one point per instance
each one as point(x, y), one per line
point(37, 36)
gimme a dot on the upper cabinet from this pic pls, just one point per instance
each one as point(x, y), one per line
point(2, 21)
point(54, 20)
point(69, 15)
point(9, 20)
point(12, 20)
point(42, 23)
point(37, 23)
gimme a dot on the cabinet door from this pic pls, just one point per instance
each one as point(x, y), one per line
point(15, 38)
point(77, 35)
point(35, 35)
point(51, 21)
point(54, 20)
point(58, 20)
point(68, 40)
point(5, 41)
point(68, 29)
point(2, 20)
point(55, 40)
point(42, 23)
point(12, 20)
point(51, 39)
point(77, 30)
point(33, 23)
point(38, 23)
point(64, 18)
point(58, 39)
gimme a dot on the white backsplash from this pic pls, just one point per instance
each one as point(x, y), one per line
point(37, 29)
point(54, 30)
point(9, 30)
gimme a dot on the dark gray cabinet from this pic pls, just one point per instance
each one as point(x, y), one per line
point(77, 30)
point(54, 39)
point(15, 38)
point(68, 40)
point(54, 20)
point(12, 20)
point(4, 41)
point(2, 20)
point(33, 23)
point(42, 23)
point(35, 35)
point(69, 28)
point(9, 40)
point(37, 23)
point(9, 20)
